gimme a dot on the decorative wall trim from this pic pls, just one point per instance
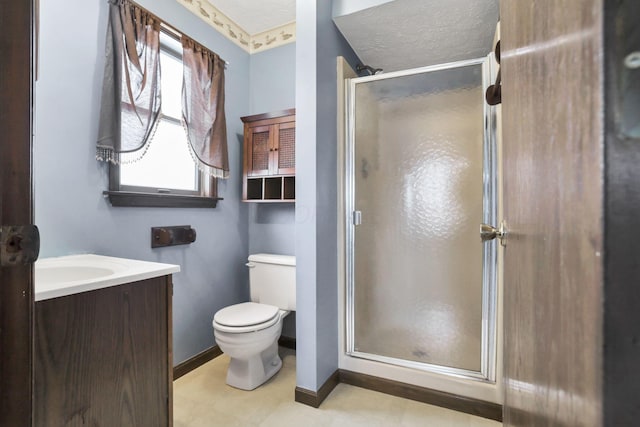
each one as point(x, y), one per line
point(315, 398)
point(273, 38)
point(196, 361)
point(480, 408)
point(255, 43)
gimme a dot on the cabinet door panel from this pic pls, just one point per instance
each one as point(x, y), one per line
point(285, 158)
point(259, 150)
point(102, 358)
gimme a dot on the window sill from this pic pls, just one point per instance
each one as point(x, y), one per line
point(154, 200)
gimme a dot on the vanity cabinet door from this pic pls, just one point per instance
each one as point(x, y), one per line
point(103, 358)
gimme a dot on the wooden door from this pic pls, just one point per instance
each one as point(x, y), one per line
point(552, 97)
point(621, 352)
point(16, 295)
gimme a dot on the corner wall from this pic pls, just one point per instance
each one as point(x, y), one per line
point(272, 88)
point(317, 47)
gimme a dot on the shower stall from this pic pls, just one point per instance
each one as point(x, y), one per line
point(420, 287)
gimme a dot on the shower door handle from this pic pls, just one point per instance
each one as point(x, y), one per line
point(357, 217)
point(489, 232)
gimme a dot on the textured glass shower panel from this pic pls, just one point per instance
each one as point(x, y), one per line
point(418, 183)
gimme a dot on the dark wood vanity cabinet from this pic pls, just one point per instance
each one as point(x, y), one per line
point(103, 358)
point(269, 157)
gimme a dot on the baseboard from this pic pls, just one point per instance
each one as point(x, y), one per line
point(315, 398)
point(456, 402)
point(196, 361)
point(213, 352)
point(287, 342)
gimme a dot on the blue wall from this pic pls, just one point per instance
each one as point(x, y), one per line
point(273, 79)
point(272, 88)
point(318, 44)
point(72, 214)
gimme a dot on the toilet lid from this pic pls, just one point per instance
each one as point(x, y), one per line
point(245, 314)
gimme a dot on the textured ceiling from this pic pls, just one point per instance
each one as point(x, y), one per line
point(256, 16)
point(405, 34)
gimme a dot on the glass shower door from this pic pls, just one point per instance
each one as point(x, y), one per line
point(421, 288)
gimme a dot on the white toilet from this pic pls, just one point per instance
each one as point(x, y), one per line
point(248, 332)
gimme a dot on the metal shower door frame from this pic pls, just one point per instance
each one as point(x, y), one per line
point(488, 361)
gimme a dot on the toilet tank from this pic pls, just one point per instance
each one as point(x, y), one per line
point(272, 280)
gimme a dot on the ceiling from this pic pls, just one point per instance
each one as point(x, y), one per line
point(404, 34)
point(257, 16)
point(395, 35)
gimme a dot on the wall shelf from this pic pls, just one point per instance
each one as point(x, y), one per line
point(269, 157)
point(271, 189)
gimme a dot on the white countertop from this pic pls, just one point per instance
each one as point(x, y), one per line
point(72, 274)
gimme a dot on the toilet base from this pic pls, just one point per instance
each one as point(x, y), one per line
point(248, 374)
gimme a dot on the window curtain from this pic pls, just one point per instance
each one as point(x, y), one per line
point(130, 106)
point(203, 108)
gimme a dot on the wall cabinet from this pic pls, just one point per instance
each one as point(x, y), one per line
point(103, 357)
point(269, 157)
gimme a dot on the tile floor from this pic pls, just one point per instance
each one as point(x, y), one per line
point(202, 399)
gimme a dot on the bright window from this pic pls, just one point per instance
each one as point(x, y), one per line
point(167, 166)
point(166, 176)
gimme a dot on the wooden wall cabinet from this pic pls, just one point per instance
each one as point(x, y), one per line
point(103, 357)
point(270, 157)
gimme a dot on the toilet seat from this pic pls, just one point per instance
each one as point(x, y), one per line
point(246, 317)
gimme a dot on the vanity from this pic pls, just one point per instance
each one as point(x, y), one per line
point(102, 342)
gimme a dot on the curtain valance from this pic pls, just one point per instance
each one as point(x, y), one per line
point(131, 94)
point(203, 107)
point(131, 98)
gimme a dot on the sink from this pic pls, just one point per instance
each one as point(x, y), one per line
point(71, 274)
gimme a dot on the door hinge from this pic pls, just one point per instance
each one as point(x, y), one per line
point(19, 245)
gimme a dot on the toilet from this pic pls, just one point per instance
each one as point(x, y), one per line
point(248, 332)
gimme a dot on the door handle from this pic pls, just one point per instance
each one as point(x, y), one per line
point(19, 245)
point(357, 217)
point(489, 232)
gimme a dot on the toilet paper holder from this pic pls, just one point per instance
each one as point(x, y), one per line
point(172, 235)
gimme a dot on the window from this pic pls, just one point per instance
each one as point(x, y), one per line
point(166, 175)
